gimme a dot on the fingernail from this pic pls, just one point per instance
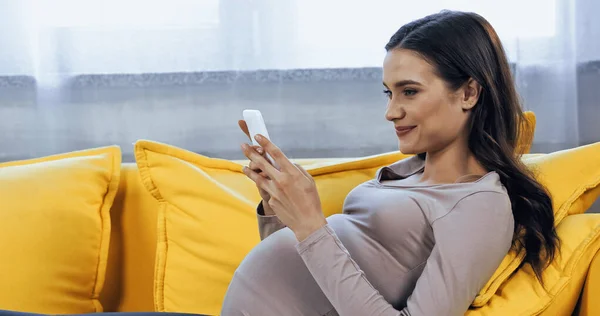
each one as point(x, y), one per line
point(258, 137)
point(259, 150)
point(244, 146)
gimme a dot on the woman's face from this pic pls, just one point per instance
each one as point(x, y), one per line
point(427, 115)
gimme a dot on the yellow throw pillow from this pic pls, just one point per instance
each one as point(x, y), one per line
point(526, 133)
point(55, 223)
point(207, 218)
point(572, 178)
point(523, 295)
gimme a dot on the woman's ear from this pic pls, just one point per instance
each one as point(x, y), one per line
point(471, 94)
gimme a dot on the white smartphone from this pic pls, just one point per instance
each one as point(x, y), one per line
point(256, 125)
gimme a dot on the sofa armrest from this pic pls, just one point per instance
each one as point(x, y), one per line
point(588, 302)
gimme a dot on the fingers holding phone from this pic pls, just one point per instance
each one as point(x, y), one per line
point(263, 194)
point(251, 125)
point(257, 148)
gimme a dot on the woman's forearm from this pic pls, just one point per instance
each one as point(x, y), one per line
point(340, 277)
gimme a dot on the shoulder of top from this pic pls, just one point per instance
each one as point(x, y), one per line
point(490, 198)
point(494, 202)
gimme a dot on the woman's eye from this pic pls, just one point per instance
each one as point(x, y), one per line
point(388, 93)
point(409, 92)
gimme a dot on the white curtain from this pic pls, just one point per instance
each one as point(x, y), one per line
point(82, 73)
point(134, 36)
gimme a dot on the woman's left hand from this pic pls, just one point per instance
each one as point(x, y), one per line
point(294, 196)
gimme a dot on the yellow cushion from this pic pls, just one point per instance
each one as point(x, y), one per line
point(588, 303)
point(523, 295)
point(55, 223)
point(572, 177)
point(207, 219)
point(526, 133)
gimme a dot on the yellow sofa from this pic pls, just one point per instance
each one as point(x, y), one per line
point(129, 282)
point(101, 235)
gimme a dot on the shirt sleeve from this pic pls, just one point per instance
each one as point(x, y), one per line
point(471, 241)
point(267, 224)
point(340, 278)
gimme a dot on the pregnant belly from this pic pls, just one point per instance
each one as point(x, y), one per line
point(273, 280)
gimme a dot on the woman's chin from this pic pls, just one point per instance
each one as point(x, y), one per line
point(407, 150)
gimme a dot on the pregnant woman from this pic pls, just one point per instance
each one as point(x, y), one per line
point(426, 234)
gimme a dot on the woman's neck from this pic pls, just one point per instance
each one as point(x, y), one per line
point(451, 164)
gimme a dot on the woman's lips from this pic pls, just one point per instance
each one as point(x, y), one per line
point(403, 130)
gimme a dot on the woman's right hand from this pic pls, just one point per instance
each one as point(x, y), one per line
point(263, 194)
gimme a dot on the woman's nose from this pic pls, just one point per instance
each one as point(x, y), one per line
point(394, 112)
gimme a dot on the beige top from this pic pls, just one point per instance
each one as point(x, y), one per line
point(397, 249)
